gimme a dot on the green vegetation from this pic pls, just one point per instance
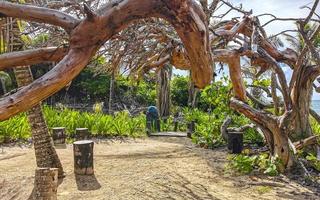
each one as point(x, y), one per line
point(121, 124)
point(245, 164)
point(213, 108)
point(263, 189)
point(215, 99)
point(313, 161)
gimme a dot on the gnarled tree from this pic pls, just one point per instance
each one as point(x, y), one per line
point(186, 16)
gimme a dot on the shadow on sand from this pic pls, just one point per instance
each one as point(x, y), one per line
point(87, 182)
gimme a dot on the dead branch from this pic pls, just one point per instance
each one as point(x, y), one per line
point(223, 128)
point(186, 17)
point(30, 57)
point(38, 14)
point(306, 142)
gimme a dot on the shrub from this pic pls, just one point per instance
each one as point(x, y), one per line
point(246, 164)
point(122, 124)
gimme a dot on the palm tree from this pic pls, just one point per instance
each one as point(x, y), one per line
point(45, 152)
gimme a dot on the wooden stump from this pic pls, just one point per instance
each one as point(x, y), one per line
point(45, 184)
point(59, 136)
point(82, 133)
point(148, 127)
point(235, 142)
point(175, 129)
point(83, 157)
point(191, 128)
point(157, 125)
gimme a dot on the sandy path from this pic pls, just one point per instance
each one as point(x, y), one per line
point(155, 168)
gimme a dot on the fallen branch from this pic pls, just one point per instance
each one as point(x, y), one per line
point(306, 142)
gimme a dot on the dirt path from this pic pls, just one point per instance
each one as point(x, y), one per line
point(153, 168)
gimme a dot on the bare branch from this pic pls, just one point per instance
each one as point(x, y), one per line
point(313, 9)
point(38, 14)
point(88, 36)
point(46, 85)
point(30, 57)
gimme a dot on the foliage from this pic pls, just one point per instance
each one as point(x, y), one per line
point(215, 98)
point(142, 92)
point(167, 125)
point(15, 128)
point(314, 161)
point(179, 90)
point(98, 107)
point(88, 86)
point(263, 189)
point(121, 124)
point(245, 164)
point(315, 126)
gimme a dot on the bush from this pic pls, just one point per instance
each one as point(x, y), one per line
point(246, 164)
point(122, 124)
point(15, 128)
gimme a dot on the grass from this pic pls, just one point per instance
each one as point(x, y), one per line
point(263, 189)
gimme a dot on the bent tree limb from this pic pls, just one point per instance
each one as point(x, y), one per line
point(52, 82)
point(31, 57)
point(275, 135)
point(186, 16)
point(38, 14)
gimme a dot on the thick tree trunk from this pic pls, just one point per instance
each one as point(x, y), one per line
point(45, 153)
point(301, 98)
point(274, 128)
point(163, 91)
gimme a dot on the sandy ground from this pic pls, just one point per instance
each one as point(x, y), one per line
point(152, 168)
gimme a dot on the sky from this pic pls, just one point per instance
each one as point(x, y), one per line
point(280, 8)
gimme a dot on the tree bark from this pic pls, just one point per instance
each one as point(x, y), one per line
point(45, 184)
point(274, 129)
point(45, 153)
point(163, 91)
point(301, 97)
point(186, 16)
point(83, 157)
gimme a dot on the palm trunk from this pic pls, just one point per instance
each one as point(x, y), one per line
point(45, 153)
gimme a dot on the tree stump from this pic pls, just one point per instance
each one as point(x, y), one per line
point(83, 157)
point(191, 128)
point(82, 133)
point(176, 121)
point(59, 136)
point(148, 127)
point(45, 184)
point(235, 142)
